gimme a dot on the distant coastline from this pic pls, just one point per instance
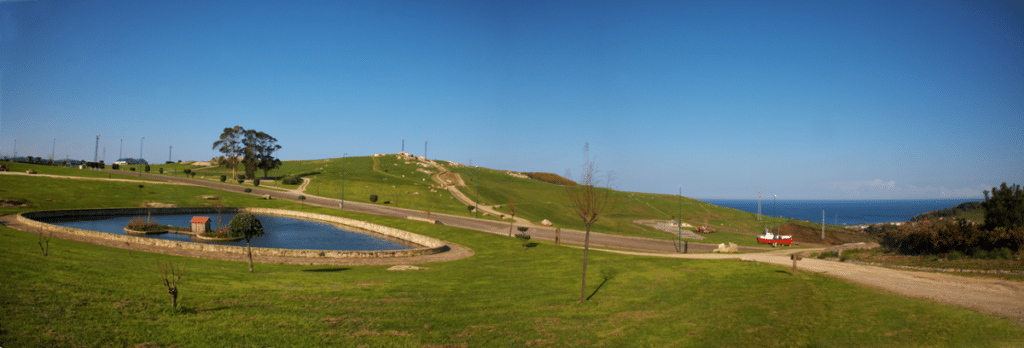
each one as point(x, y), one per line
point(843, 212)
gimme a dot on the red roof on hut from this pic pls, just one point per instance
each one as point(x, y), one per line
point(200, 219)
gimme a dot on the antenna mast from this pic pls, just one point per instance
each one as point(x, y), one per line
point(758, 205)
point(96, 153)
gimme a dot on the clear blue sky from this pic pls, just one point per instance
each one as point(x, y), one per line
point(804, 100)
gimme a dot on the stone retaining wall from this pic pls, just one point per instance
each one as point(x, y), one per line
point(428, 245)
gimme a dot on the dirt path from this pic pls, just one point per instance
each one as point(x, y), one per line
point(996, 296)
point(451, 181)
point(90, 178)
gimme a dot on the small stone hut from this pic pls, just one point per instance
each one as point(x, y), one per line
point(200, 224)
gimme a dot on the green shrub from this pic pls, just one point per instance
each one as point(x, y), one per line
point(248, 190)
point(223, 178)
point(147, 168)
point(241, 177)
point(302, 198)
point(115, 166)
point(956, 255)
point(240, 180)
point(255, 182)
point(1002, 254)
point(161, 170)
point(133, 169)
point(373, 198)
point(245, 225)
point(291, 180)
point(980, 253)
point(187, 171)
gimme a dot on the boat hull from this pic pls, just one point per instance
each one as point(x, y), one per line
point(787, 241)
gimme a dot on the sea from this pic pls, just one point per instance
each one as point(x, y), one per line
point(843, 212)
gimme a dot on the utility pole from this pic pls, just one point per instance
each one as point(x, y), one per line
point(140, 155)
point(96, 151)
point(120, 150)
point(822, 225)
point(53, 150)
point(343, 180)
point(476, 178)
point(758, 205)
point(403, 145)
point(425, 150)
point(16, 147)
point(679, 221)
point(169, 153)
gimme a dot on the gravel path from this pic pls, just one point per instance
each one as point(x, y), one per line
point(996, 296)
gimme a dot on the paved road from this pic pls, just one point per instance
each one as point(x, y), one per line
point(490, 226)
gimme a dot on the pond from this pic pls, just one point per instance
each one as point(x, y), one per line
point(281, 232)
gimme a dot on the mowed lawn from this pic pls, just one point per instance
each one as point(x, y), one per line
point(86, 295)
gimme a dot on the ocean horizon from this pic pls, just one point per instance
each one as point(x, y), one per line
point(843, 212)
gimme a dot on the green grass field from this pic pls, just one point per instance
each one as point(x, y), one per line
point(86, 295)
point(66, 171)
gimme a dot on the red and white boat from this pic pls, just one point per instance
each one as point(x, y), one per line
point(770, 238)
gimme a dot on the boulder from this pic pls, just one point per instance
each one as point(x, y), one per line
point(30, 171)
point(546, 222)
point(730, 248)
point(405, 268)
point(267, 197)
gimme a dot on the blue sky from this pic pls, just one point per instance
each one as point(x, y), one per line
point(804, 100)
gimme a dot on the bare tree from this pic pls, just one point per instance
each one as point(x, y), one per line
point(171, 282)
point(512, 220)
point(588, 201)
point(45, 250)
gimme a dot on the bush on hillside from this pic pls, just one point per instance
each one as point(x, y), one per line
point(373, 198)
point(291, 180)
point(240, 181)
point(248, 190)
point(551, 178)
point(240, 177)
point(960, 236)
point(255, 182)
point(187, 171)
point(223, 178)
point(1005, 208)
point(115, 166)
point(147, 168)
point(161, 170)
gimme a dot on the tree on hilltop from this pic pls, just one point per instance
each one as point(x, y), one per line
point(264, 147)
point(230, 144)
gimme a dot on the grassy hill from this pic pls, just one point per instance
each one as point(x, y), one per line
point(971, 211)
point(541, 196)
point(88, 295)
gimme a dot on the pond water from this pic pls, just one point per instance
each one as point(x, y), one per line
point(281, 232)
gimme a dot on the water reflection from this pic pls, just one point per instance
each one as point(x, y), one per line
point(282, 232)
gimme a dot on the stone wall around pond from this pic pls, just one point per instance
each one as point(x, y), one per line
point(428, 245)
